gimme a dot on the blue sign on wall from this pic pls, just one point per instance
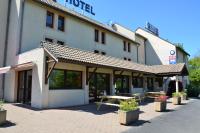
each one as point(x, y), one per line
point(82, 5)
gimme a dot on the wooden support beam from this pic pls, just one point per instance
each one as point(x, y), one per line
point(47, 69)
point(88, 77)
point(114, 76)
point(121, 72)
point(92, 74)
point(87, 73)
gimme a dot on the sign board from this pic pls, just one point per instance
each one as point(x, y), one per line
point(82, 5)
point(152, 29)
point(172, 59)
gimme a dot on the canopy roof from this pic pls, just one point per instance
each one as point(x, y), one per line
point(73, 55)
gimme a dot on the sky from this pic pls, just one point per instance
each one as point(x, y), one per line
point(177, 20)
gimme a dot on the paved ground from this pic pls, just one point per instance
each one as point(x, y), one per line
point(86, 119)
point(184, 120)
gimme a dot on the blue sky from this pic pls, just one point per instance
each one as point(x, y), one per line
point(177, 20)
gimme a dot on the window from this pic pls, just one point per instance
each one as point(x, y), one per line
point(61, 23)
point(96, 32)
point(138, 82)
point(65, 79)
point(73, 80)
point(103, 53)
point(56, 80)
point(124, 45)
point(129, 59)
point(103, 38)
point(125, 58)
point(60, 43)
point(159, 81)
point(96, 51)
point(129, 47)
point(48, 40)
point(50, 19)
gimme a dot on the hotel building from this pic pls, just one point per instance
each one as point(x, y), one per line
point(51, 56)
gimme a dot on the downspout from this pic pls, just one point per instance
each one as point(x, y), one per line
point(6, 44)
point(21, 26)
point(145, 53)
point(137, 53)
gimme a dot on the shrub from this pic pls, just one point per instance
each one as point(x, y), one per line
point(176, 94)
point(129, 105)
point(192, 90)
point(161, 99)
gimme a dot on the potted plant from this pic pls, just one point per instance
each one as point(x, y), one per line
point(176, 98)
point(161, 103)
point(184, 96)
point(128, 112)
point(2, 113)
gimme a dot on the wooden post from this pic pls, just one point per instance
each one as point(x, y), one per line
point(177, 87)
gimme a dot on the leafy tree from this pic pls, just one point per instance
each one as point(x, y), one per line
point(194, 70)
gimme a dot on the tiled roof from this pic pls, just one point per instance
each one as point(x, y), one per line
point(169, 69)
point(74, 55)
point(82, 17)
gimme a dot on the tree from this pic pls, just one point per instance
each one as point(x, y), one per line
point(194, 69)
point(193, 90)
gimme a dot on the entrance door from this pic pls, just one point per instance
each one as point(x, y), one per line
point(122, 84)
point(24, 87)
point(98, 85)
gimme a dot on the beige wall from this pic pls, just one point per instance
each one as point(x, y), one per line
point(3, 24)
point(141, 49)
point(157, 49)
point(181, 57)
point(78, 33)
point(131, 34)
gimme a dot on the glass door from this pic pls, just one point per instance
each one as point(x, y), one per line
point(122, 84)
point(150, 84)
point(98, 86)
point(24, 87)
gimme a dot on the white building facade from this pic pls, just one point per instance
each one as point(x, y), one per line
point(38, 77)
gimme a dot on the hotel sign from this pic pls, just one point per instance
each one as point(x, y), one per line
point(82, 5)
point(152, 29)
point(172, 57)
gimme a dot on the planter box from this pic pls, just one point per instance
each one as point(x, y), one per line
point(126, 118)
point(160, 106)
point(184, 97)
point(3, 116)
point(176, 100)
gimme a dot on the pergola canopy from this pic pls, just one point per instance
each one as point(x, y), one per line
point(67, 54)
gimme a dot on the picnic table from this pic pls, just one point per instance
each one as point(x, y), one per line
point(125, 98)
point(154, 94)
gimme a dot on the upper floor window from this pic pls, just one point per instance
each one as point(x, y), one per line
point(48, 40)
point(103, 53)
point(96, 35)
point(61, 23)
point(60, 43)
point(129, 47)
point(124, 45)
point(96, 51)
point(50, 19)
point(103, 38)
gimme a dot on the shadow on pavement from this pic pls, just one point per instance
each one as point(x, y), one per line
point(139, 123)
point(7, 124)
point(25, 106)
point(169, 110)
